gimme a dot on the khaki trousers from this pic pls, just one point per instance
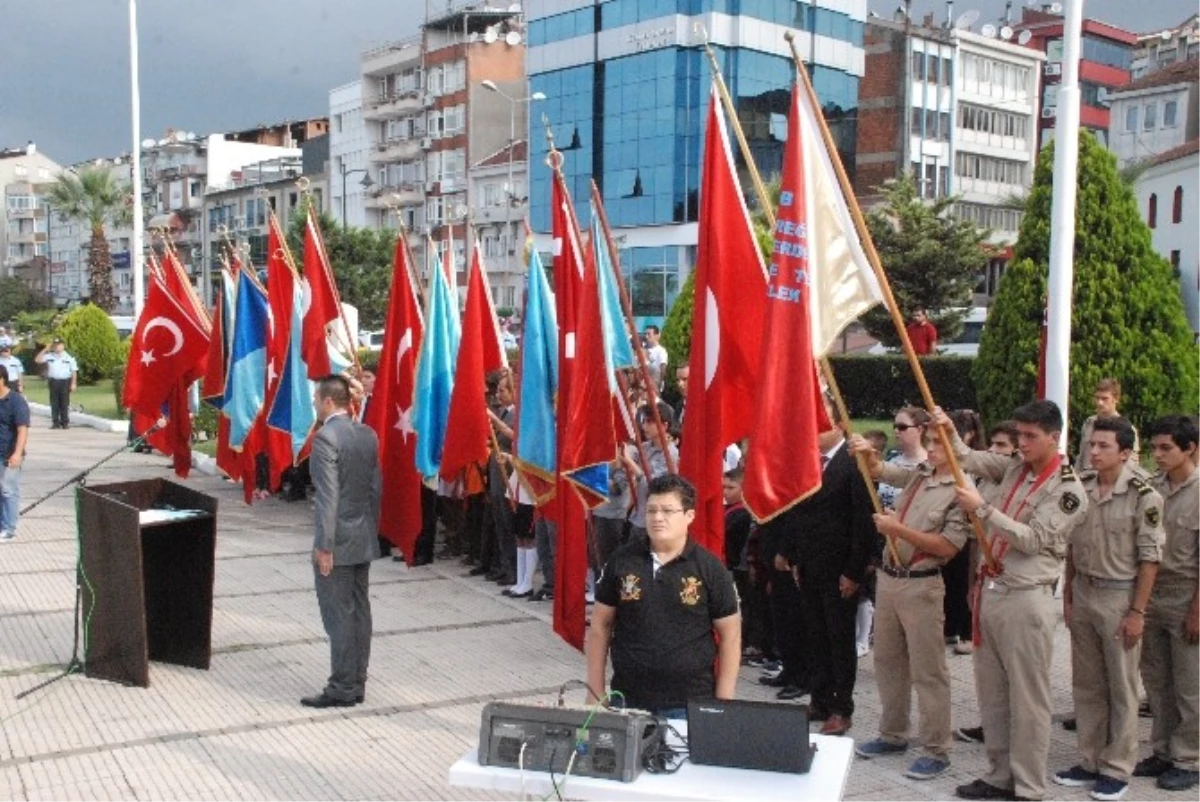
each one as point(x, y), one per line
point(910, 652)
point(1170, 672)
point(1104, 680)
point(1012, 677)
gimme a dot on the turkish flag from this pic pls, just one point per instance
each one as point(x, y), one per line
point(468, 428)
point(731, 289)
point(180, 287)
point(568, 512)
point(168, 347)
point(389, 412)
point(783, 464)
point(322, 297)
point(281, 288)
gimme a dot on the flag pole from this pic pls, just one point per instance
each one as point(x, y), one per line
point(627, 308)
point(864, 234)
point(764, 200)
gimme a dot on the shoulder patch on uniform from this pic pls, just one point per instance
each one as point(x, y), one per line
point(1140, 486)
point(1152, 516)
point(1067, 474)
point(1068, 503)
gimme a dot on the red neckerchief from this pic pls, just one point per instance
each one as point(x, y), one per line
point(986, 570)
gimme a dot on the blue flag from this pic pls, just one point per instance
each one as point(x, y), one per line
point(617, 344)
point(536, 441)
point(245, 387)
point(292, 408)
point(435, 372)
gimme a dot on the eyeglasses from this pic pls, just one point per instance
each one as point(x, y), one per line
point(904, 427)
point(662, 512)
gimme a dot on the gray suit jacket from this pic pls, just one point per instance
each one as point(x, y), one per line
point(345, 472)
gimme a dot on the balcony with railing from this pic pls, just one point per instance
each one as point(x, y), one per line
point(391, 56)
point(394, 104)
point(395, 150)
point(406, 194)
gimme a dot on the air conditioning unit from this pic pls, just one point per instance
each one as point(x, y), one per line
point(427, 101)
point(1049, 112)
point(426, 142)
point(1053, 68)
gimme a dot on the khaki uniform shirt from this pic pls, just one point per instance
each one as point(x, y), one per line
point(1119, 531)
point(1181, 520)
point(1038, 522)
point(1083, 460)
point(929, 505)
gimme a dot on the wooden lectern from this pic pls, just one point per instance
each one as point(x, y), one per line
point(149, 566)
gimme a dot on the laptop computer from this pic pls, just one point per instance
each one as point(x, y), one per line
point(749, 735)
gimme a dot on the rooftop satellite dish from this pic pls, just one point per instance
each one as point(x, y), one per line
point(148, 143)
point(988, 30)
point(490, 35)
point(1056, 8)
point(1024, 38)
point(190, 136)
point(512, 39)
point(1165, 36)
point(964, 22)
point(1006, 33)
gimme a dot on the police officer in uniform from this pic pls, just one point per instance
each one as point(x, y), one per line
point(62, 372)
point(10, 363)
point(1030, 513)
point(658, 602)
point(1112, 561)
point(1170, 654)
point(928, 528)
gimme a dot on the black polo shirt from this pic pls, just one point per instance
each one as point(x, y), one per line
point(663, 647)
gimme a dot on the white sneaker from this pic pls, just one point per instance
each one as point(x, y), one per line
point(863, 649)
point(5, 535)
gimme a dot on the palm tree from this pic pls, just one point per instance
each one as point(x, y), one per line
point(94, 196)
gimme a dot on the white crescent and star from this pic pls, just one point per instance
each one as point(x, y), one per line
point(712, 337)
point(406, 343)
point(148, 357)
point(404, 422)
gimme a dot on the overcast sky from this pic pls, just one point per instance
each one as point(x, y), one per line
point(215, 65)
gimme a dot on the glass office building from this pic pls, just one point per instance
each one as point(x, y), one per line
point(627, 85)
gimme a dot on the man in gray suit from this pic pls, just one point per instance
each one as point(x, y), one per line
point(346, 475)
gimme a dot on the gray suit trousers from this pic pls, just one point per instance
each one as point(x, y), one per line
point(346, 614)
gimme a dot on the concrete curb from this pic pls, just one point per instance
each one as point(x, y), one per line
point(83, 419)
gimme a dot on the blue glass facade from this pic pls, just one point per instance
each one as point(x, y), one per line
point(636, 122)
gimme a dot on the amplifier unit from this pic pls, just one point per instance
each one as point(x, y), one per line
point(612, 747)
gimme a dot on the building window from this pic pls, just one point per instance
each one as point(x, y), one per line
point(1152, 211)
point(1175, 263)
point(1170, 109)
point(1131, 115)
point(1177, 206)
point(1150, 117)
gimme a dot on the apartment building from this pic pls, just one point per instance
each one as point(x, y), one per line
point(626, 84)
point(498, 207)
point(1167, 197)
point(348, 168)
point(1160, 49)
point(70, 241)
point(25, 177)
point(1156, 113)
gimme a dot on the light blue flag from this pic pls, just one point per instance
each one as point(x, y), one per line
point(245, 387)
point(435, 372)
point(292, 408)
point(617, 345)
point(536, 443)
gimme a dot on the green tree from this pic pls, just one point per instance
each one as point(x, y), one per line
point(361, 259)
point(92, 339)
point(92, 195)
point(16, 297)
point(1127, 318)
point(931, 258)
point(677, 329)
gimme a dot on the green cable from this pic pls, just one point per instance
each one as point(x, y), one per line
point(583, 734)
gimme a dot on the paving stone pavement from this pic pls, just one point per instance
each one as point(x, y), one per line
point(444, 644)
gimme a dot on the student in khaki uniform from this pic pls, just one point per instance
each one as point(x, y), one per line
point(1105, 398)
point(1029, 513)
point(1111, 564)
point(1170, 654)
point(929, 529)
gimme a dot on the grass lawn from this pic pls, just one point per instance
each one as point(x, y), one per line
point(96, 399)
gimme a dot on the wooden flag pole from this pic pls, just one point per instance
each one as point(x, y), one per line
point(826, 368)
point(864, 234)
point(627, 308)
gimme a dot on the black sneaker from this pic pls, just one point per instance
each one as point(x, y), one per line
point(1178, 780)
point(1153, 766)
point(978, 789)
point(969, 735)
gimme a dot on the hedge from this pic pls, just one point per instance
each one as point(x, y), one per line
point(876, 386)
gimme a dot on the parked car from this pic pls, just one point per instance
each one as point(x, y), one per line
point(371, 340)
point(965, 344)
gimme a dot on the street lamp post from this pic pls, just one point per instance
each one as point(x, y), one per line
point(512, 127)
point(366, 183)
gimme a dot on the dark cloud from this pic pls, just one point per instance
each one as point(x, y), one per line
point(212, 65)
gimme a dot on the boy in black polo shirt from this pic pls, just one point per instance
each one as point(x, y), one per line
point(658, 602)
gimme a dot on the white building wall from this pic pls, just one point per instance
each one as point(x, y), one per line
point(348, 148)
point(1169, 236)
point(1129, 136)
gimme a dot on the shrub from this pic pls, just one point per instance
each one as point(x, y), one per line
point(677, 329)
point(92, 339)
point(876, 386)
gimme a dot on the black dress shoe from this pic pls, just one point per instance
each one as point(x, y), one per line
point(790, 692)
point(323, 700)
point(541, 595)
point(527, 594)
point(978, 789)
point(1153, 766)
point(469, 561)
point(478, 570)
point(358, 700)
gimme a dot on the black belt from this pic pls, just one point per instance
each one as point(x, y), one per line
point(908, 573)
